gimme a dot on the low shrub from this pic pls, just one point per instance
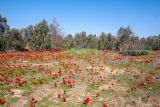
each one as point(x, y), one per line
point(135, 52)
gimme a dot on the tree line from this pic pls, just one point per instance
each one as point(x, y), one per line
point(44, 36)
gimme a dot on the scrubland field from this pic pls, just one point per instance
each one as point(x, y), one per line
point(79, 78)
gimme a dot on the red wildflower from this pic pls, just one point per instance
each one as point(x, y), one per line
point(50, 72)
point(63, 80)
point(69, 82)
point(18, 80)
point(148, 79)
point(33, 99)
point(86, 100)
point(55, 75)
point(64, 99)
point(64, 91)
point(113, 85)
point(32, 102)
point(1, 101)
point(152, 74)
point(128, 71)
point(105, 105)
point(157, 78)
point(70, 85)
point(60, 72)
point(18, 75)
point(59, 95)
point(2, 75)
point(142, 71)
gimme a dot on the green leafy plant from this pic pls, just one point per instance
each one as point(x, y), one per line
point(134, 52)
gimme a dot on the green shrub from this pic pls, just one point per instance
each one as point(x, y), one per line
point(135, 52)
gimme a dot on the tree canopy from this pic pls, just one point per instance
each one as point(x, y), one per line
point(44, 36)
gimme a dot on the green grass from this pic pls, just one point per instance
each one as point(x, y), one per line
point(91, 88)
point(80, 52)
point(64, 86)
point(10, 100)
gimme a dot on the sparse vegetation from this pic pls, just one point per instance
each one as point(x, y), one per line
point(79, 78)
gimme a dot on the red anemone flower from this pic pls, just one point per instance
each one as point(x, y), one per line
point(142, 71)
point(1, 101)
point(33, 99)
point(59, 95)
point(105, 105)
point(60, 72)
point(86, 100)
point(2, 75)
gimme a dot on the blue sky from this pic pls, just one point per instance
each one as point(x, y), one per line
point(92, 16)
